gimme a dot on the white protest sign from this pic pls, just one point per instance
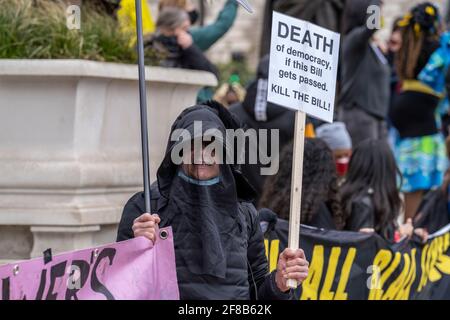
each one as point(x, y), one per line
point(303, 66)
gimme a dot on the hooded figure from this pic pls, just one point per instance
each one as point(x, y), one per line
point(219, 246)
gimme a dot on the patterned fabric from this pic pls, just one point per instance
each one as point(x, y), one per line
point(434, 72)
point(422, 162)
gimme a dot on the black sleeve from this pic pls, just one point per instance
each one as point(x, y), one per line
point(133, 209)
point(262, 283)
point(433, 212)
point(362, 216)
point(193, 58)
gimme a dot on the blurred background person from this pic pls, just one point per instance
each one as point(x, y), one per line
point(230, 92)
point(434, 75)
point(126, 15)
point(365, 76)
point(182, 4)
point(321, 203)
point(338, 140)
point(420, 150)
point(173, 41)
point(370, 197)
point(434, 211)
point(393, 47)
point(206, 36)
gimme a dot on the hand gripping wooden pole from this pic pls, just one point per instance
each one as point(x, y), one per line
point(296, 186)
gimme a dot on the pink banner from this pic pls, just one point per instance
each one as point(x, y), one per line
point(129, 270)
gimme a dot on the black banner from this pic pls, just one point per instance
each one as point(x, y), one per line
point(358, 266)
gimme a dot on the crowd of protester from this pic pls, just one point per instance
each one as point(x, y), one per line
point(379, 168)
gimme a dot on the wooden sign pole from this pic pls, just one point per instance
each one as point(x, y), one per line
point(296, 186)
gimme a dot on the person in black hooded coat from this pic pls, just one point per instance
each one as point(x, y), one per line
point(219, 246)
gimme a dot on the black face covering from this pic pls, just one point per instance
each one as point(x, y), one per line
point(207, 221)
point(193, 16)
point(170, 44)
point(204, 214)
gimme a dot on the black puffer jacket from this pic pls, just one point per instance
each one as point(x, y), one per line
point(247, 274)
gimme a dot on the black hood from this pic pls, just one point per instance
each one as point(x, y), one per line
point(255, 102)
point(213, 116)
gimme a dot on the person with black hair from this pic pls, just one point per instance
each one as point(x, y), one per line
point(365, 76)
point(219, 246)
point(370, 196)
point(321, 206)
point(420, 150)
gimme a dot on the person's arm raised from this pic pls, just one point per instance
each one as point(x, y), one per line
point(205, 37)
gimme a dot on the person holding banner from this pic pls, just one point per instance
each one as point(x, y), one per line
point(219, 246)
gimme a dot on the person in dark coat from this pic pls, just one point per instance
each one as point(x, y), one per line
point(257, 113)
point(365, 77)
point(219, 246)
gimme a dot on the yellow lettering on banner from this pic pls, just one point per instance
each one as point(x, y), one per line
point(266, 247)
point(434, 274)
point(274, 252)
point(443, 262)
point(345, 273)
point(381, 261)
point(326, 293)
point(310, 287)
point(424, 277)
point(392, 291)
point(446, 242)
point(406, 289)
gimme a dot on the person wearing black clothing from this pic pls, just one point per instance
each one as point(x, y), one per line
point(219, 246)
point(174, 43)
point(365, 76)
point(321, 205)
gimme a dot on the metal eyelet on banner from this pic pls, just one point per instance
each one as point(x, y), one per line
point(16, 270)
point(96, 253)
point(163, 234)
